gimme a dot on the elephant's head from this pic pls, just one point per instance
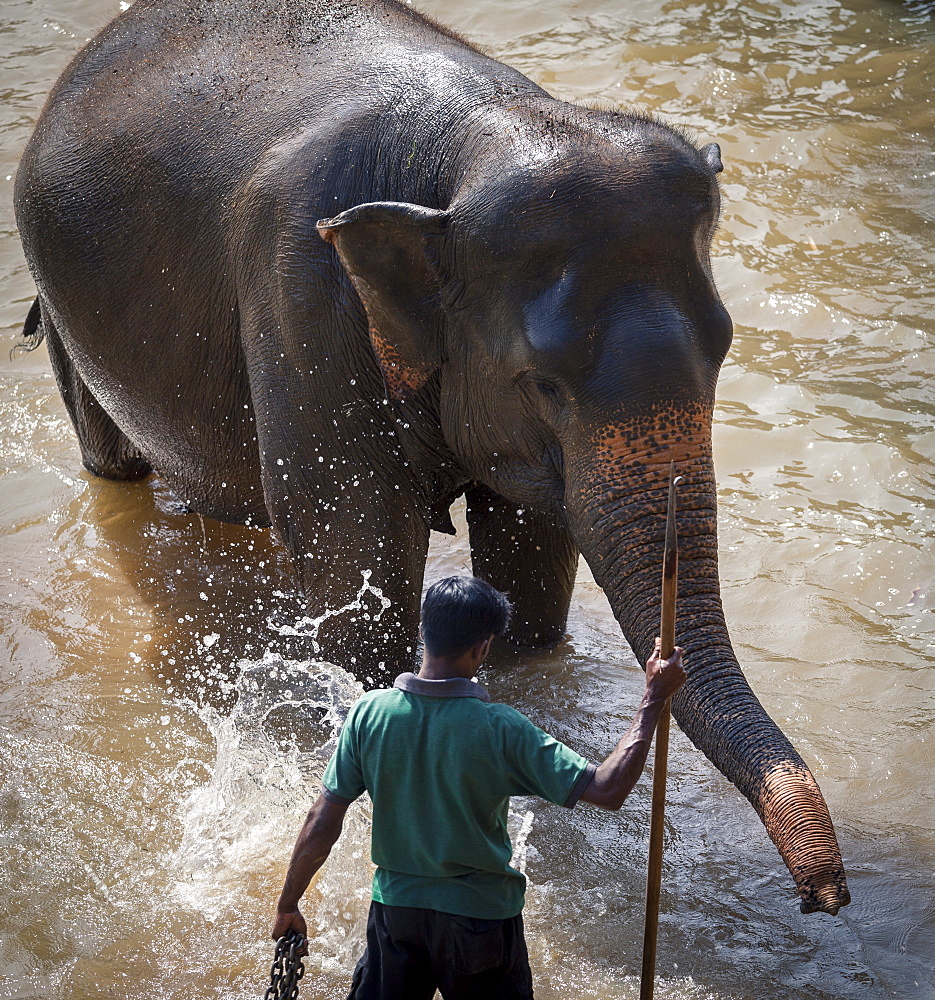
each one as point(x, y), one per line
point(564, 308)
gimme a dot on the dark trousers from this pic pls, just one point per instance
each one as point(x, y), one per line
point(411, 952)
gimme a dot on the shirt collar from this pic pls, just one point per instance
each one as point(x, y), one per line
point(451, 687)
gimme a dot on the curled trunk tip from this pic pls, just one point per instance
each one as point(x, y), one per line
point(797, 819)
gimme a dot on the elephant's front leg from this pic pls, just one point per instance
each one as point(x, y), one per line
point(336, 485)
point(360, 566)
point(530, 556)
point(359, 544)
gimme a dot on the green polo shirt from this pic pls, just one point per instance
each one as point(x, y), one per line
point(440, 762)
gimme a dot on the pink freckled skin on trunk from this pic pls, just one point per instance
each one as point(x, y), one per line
point(633, 455)
point(667, 435)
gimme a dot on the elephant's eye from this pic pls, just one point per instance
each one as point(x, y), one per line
point(549, 391)
point(536, 385)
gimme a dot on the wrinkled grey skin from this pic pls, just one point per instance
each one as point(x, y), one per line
point(506, 296)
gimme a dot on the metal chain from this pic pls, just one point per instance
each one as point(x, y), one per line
point(287, 968)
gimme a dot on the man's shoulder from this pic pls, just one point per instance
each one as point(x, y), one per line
point(372, 713)
point(507, 716)
point(396, 701)
point(376, 699)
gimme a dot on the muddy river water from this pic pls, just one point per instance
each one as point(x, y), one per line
point(161, 736)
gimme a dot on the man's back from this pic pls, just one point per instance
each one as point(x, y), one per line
point(440, 762)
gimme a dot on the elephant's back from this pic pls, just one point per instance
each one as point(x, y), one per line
point(210, 79)
point(185, 83)
point(172, 106)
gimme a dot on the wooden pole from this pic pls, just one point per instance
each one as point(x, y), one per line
point(670, 572)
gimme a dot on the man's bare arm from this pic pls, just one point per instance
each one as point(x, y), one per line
point(318, 835)
point(614, 779)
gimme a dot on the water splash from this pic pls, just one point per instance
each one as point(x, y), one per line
point(520, 837)
point(270, 752)
point(308, 628)
point(239, 827)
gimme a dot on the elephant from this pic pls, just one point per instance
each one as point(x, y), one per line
point(328, 267)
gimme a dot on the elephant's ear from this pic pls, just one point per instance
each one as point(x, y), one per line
point(382, 246)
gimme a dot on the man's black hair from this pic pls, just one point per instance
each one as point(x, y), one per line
point(459, 611)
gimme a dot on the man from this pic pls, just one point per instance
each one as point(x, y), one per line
point(440, 763)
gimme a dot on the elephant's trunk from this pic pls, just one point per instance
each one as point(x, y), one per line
point(616, 484)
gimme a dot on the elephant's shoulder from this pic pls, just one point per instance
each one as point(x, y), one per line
point(296, 174)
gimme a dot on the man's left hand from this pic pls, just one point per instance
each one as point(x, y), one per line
point(290, 920)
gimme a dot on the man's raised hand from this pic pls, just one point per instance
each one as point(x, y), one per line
point(664, 677)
